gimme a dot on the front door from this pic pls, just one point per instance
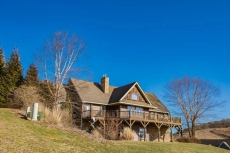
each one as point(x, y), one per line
point(141, 133)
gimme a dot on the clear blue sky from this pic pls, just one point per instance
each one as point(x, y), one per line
point(149, 42)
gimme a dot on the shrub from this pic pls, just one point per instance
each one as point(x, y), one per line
point(188, 140)
point(97, 134)
point(194, 140)
point(183, 139)
point(57, 117)
point(24, 96)
point(128, 134)
point(112, 129)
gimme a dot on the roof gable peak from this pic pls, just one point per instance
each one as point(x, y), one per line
point(140, 90)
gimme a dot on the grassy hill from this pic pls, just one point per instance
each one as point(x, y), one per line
point(19, 135)
point(213, 130)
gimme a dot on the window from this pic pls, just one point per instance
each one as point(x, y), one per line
point(141, 133)
point(87, 110)
point(135, 96)
point(131, 108)
point(139, 111)
point(102, 110)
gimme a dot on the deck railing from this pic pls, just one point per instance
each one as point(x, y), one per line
point(131, 115)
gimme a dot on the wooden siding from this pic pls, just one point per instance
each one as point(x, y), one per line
point(136, 91)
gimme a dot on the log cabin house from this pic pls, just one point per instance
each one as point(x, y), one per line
point(125, 106)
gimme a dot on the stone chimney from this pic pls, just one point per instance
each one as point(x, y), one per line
point(105, 84)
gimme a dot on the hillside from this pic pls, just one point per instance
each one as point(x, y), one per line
point(19, 135)
point(213, 130)
point(212, 133)
point(225, 123)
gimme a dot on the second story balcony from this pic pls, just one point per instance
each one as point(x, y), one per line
point(132, 115)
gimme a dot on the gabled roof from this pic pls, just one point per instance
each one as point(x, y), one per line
point(141, 91)
point(119, 92)
point(91, 92)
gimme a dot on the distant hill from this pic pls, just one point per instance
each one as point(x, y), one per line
point(225, 123)
point(213, 130)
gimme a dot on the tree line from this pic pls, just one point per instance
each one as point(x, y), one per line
point(17, 91)
point(58, 60)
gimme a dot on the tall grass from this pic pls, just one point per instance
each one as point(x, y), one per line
point(128, 134)
point(97, 134)
point(56, 117)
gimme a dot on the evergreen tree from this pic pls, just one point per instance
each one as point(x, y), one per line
point(32, 76)
point(3, 91)
point(2, 62)
point(13, 73)
point(45, 93)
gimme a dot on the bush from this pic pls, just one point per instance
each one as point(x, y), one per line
point(112, 129)
point(128, 134)
point(24, 96)
point(57, 117)
point(97, 134)
point(194, 140)
point(188, 140)
point(183, 139)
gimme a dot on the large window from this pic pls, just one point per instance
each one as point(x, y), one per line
point(132, 109)
point(139, 111)
point(135, 96)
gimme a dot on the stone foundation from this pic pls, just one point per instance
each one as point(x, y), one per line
point(164, 134)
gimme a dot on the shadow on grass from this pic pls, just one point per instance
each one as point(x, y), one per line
point(22, 116)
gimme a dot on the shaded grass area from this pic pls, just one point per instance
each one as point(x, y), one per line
point(18, 135)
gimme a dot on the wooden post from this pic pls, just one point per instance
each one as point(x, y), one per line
point(179, 132)
point(117, 113)
point(91, 110)
point(171, 134)
point(104, 128)
point(144, 133)
point(129, 113)
point(159, 134)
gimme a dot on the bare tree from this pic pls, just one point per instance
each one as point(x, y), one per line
point(194, 98)
point(60, 57)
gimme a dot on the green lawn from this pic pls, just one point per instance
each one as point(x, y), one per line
point(18, 135)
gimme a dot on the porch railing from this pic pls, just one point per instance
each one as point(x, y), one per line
point(131, 115)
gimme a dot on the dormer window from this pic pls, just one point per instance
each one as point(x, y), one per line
point(135, 96)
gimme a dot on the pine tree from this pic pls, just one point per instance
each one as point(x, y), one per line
point(2, 62)
point(31, 78)
point(13, 73)
point(3, 91)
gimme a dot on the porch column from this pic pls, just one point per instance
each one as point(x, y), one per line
point(158, 125)
point(144, 125)
point(91, 110)
point(159, 133)
point(179, 132)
